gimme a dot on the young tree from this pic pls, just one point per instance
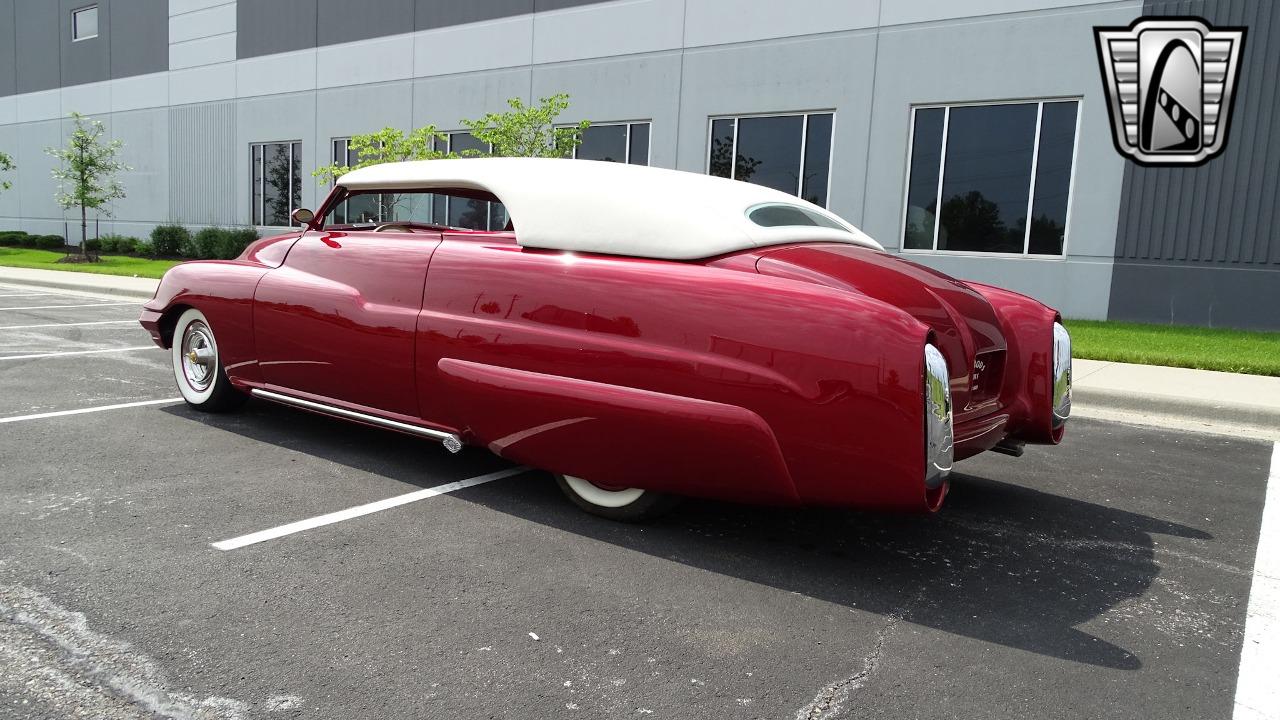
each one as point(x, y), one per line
point(6, 164)
point(87, 173)
point(529, 130)
point(386, 145)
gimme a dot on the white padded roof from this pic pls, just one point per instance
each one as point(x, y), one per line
point(604, 207)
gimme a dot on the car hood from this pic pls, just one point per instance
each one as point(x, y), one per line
point(965, 326)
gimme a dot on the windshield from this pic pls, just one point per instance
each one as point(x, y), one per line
point(462, 209)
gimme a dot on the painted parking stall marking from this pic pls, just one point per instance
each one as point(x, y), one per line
point(69, 324)
point(82, 411)
point(77, 352)
point(1257, 693)
point(366, 509)
point(64, 307)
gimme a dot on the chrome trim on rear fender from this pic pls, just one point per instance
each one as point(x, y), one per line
point(451, 442)
point(939, 432)
point(1061, 399)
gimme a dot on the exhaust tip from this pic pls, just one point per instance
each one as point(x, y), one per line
point(452, 443)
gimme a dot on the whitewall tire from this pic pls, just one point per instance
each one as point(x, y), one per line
point(197, 365)
point(626, 504)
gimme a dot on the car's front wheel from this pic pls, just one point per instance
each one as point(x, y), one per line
point(625, 504)
point(197, 366)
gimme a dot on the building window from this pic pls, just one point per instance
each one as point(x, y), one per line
point(990, 168)
point(84, 23)
point(461, 212)
point(626, 142)
point(276, 178)
point(791, 153)
point(361, 208)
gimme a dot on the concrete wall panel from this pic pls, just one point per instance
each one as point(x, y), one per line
point(446, 100)
point(789, 76)
point(594, 31)
point(712, 22)
point(592, 95)
point(145, 134)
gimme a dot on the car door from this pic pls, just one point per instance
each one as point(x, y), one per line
point(336, 320)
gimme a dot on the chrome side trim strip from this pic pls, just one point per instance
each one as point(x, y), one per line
point(452, 442)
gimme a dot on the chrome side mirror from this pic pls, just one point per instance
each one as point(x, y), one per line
point(303, 216)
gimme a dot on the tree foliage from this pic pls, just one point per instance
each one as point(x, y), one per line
point(529, 130)
point(523, 131)
point(6, 164)
point(387, 145)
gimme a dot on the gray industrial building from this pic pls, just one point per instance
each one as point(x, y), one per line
point(885, 111)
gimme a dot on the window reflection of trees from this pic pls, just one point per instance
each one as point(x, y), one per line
point(284, 181)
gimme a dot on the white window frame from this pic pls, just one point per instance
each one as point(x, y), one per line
point(260, 212)
point(1031, 190)
point(75, 16)
point(648, 160)
point(333, 182)
point(804, 144)
point(448, 200)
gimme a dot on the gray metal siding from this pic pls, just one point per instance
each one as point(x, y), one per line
point(443, 13)
point(344, 21)
point(139, 37)
point(1220, 216)
point(39, 58)
point(88, 60)
point(264, 27)
point(202, 169)
point(8, 53)
point(37, 52)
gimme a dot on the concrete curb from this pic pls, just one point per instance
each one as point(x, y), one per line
point(1261, 417)
point(128, 287)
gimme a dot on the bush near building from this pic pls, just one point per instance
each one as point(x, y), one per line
point(214, 243)
point(168, 240)
point(17, 238)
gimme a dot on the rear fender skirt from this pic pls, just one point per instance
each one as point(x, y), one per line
point(1027, 393)
point(619, 436)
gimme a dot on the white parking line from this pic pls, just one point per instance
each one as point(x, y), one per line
point(81, 411)
point(77, 352)
point(72, 324)
point(59, 307)
point(359, 510)
point(26, 295)
point(1257, 693)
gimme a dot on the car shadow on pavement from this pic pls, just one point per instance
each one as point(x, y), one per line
point(1002, 563)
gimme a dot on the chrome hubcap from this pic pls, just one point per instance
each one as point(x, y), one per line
point(199, 360)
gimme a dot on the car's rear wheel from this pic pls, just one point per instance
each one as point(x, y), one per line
point(625, 504)
point(197, 366)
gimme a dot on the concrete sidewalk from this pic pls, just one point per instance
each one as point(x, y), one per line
point(144, 288)
point(1247, 404)
point(1193, 399)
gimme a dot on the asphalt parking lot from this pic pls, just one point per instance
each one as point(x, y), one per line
point(1108, 577)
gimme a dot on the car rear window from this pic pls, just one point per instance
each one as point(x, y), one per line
point(780, 215)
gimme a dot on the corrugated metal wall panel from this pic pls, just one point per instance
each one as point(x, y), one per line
point(1223, 213)
point(202, 182)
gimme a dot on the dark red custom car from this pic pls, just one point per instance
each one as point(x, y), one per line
point(640, 333)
